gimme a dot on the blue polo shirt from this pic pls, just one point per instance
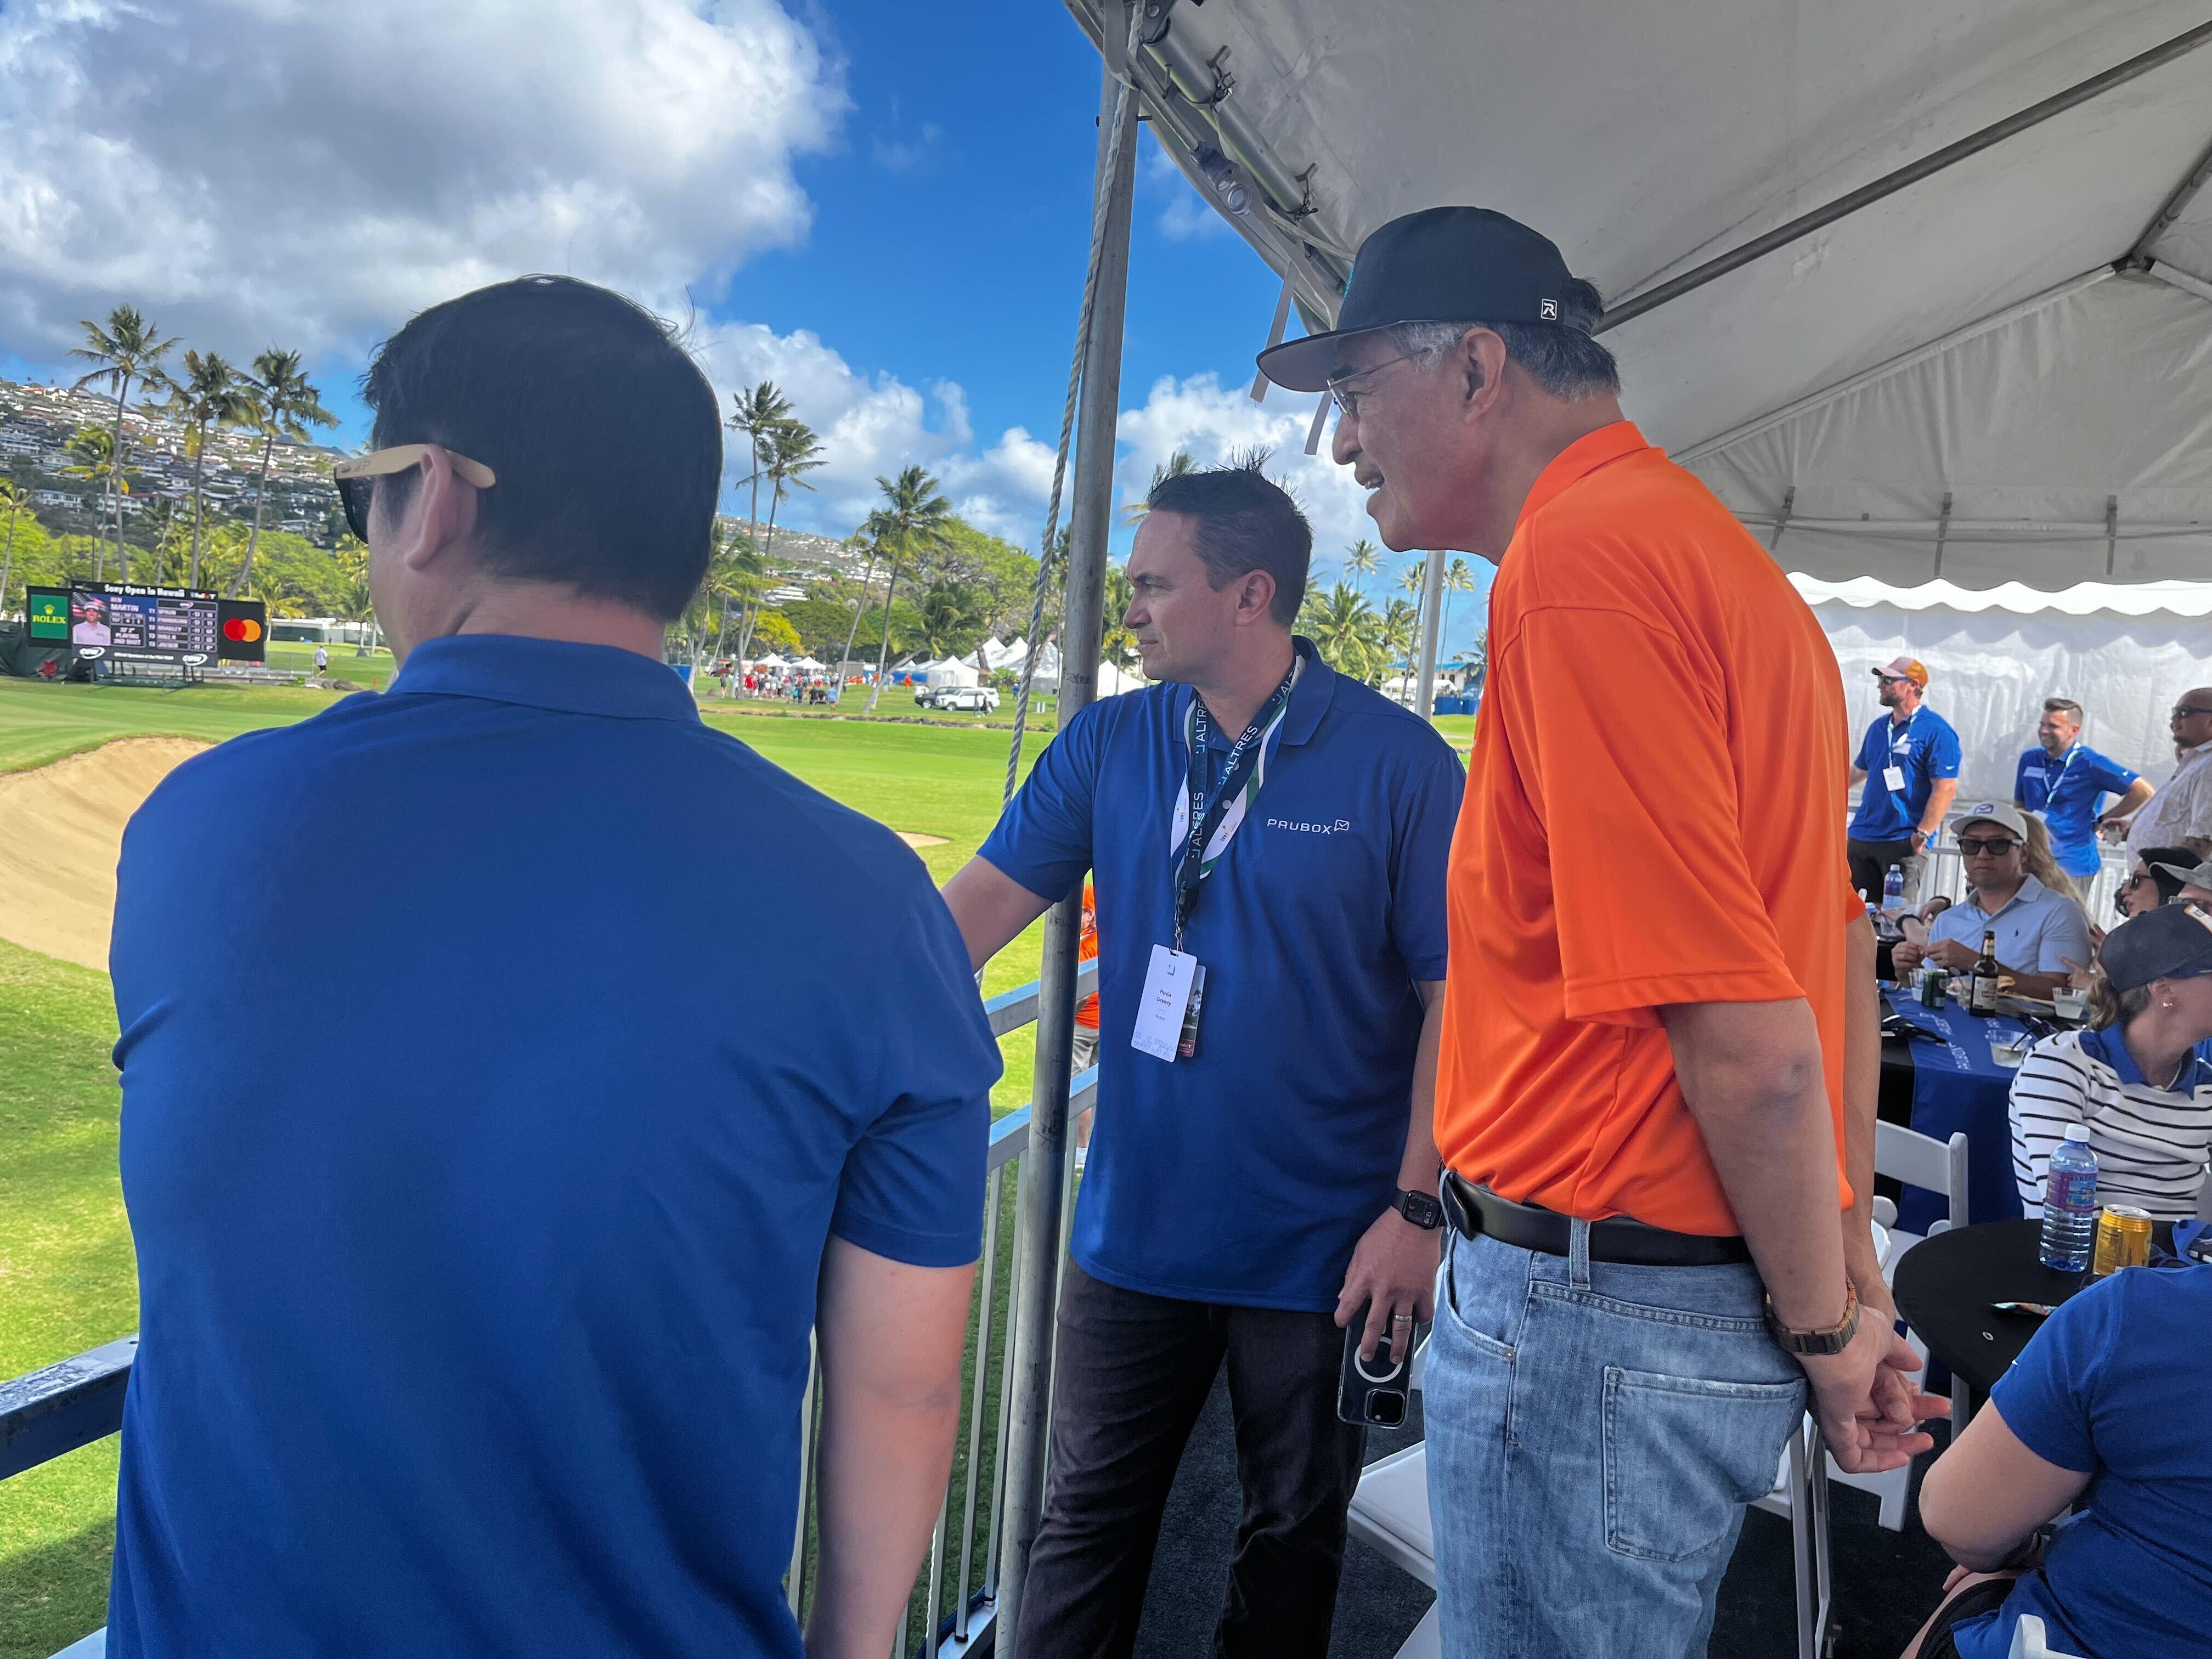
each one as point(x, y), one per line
point(2066, 790)
point(2039, 932)
point(477, 1238)
point(1246, 1174)
point(1924, 748)
point(2108, 1388)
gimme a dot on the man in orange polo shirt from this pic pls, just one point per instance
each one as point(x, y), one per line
point(1640, 1090)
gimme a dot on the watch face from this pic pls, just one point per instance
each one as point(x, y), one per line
point(1420, 1209)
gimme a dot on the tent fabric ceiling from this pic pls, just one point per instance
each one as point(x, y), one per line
point(1645, 140)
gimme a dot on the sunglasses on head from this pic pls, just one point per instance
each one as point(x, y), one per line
point(356, 477)
point(1994, 847)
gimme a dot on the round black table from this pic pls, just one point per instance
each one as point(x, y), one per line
point(1945, 1285)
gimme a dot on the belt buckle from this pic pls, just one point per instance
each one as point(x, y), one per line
point(1457, 1211)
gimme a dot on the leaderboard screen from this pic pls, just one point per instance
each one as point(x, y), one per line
point(123, 622)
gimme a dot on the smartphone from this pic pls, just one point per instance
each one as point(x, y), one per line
point(1372, 1393)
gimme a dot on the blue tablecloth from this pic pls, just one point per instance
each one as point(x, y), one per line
point(1957, 1084)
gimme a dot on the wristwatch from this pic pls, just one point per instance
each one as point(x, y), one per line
point(1833, 1339)
point(1419, 1208)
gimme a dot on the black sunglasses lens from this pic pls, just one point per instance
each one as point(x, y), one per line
point(353, 495)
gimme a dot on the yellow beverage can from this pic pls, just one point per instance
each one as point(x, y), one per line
point(2122, 1239)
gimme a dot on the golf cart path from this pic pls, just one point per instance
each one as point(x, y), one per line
point(61, 832)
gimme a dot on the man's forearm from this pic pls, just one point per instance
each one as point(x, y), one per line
point(1420, 1169)
point(891, 1338)
point(1861, 1093)
point(1752, 1075)
point(1940, 796)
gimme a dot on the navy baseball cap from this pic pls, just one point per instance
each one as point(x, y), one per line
point(2171, 942)
point(1443, 264)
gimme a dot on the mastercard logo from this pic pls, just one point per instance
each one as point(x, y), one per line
point(244, 629)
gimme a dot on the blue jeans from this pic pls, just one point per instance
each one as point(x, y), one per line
point(1595, 1433)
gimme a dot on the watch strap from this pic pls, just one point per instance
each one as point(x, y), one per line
point(1832, 1340)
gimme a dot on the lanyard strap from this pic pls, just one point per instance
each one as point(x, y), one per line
point(1204, 825)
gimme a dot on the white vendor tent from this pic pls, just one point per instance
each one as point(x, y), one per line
point(2125, 653)
point(951, 672)
point(1921, 288)
point(1113, 681)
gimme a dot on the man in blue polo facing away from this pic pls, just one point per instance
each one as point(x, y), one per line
point(1263, 1173)
point(477, 1268)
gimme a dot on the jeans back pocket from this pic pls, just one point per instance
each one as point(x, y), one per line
point(1684, 1455)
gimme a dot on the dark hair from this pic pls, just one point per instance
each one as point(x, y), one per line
point(1562, 357)
point(1242, 522)
point(2065, 706)
point(2169, 887)
point(604, 435)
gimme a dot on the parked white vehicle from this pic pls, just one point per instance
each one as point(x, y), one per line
point(971, 699)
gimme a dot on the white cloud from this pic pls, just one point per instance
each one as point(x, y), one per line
point(250, 171)
point(1214, 423)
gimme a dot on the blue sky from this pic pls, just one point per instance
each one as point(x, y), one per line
point(882, 206)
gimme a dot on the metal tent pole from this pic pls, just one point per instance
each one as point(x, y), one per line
point(1043, 1190)
point(1432, 594)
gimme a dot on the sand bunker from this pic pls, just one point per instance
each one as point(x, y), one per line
point(913, 840)
point(61, 831)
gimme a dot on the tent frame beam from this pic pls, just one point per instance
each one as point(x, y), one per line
point(2173, 208)
point(1890, 182)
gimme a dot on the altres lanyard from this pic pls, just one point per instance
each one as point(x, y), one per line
point(1205, 825)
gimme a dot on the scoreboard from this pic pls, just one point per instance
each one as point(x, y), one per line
point(127, 623)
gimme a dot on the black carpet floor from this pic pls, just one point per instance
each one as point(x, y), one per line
point(1886, 1583)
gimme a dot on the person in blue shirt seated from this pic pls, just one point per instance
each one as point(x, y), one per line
point(2105, 1408)
point(2062, 781)
point(2016, 892)
point(1909, 762)
point(1263, 1173)
point(495, 1339)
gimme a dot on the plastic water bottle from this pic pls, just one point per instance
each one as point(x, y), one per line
point(2069, 1204)
point(1892, 889)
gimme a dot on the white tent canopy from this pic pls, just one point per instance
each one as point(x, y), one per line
point(1112, 681)
point(1994, 657)
point(1962, 336)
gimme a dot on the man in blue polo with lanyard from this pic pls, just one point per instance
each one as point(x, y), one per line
point(1270, 841)
point(2062, 780)
point(1909, 761)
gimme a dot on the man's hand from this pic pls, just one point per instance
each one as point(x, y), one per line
point(1950, 954)
point(1919, 840)
point(1904, 959)
point(1393, 1272)
point(1868, 1407)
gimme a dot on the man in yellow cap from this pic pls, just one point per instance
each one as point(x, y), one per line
point(1909, 761)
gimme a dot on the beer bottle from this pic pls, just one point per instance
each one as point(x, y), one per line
point(1982, 995)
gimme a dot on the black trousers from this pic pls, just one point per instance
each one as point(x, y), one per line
point(1134, 1372)
point(1870, 861)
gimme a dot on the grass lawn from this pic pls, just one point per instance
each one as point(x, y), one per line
point(374, 672)
point(67, 1279)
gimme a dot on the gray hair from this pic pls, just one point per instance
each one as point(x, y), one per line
point(1561, 357)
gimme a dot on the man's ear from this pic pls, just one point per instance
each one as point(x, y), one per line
point(1255, 598)
point(1481, 366)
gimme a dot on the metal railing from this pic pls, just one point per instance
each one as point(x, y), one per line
point(48, 1412)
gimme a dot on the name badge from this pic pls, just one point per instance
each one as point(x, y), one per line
point(1171, 984)
point(1894, 777)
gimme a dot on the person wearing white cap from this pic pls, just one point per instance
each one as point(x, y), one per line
point(1909, 761)
point(2015, 892)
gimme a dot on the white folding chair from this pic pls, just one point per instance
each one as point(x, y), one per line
point(1938, 1166)
point(1801, 1492)
point(1390, 1513)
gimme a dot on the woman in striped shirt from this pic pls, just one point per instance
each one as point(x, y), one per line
point(2134, 1078)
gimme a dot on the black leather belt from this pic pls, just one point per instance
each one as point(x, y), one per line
point(1474, 1211)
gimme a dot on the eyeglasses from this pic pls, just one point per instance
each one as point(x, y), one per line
point(1348, 400)
point(1991, 847)
point(2183, 710)
point(356, 477)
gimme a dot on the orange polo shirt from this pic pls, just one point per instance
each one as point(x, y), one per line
point(1654, 815)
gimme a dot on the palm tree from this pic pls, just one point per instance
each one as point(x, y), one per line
point(912, 520)
point(209, 395)
point(759, 412)
point(92, 455)
point(1413, 580)
point(793, 451)
point(1175, 465)
point(1458, 579)
point(1399, 633)
point(860, 538)
point(1361, 559)
point(1345, 629)
point(15, 503)
point(127, 350)
point(950, 611)
point(1117, 643)
point(284, 402)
